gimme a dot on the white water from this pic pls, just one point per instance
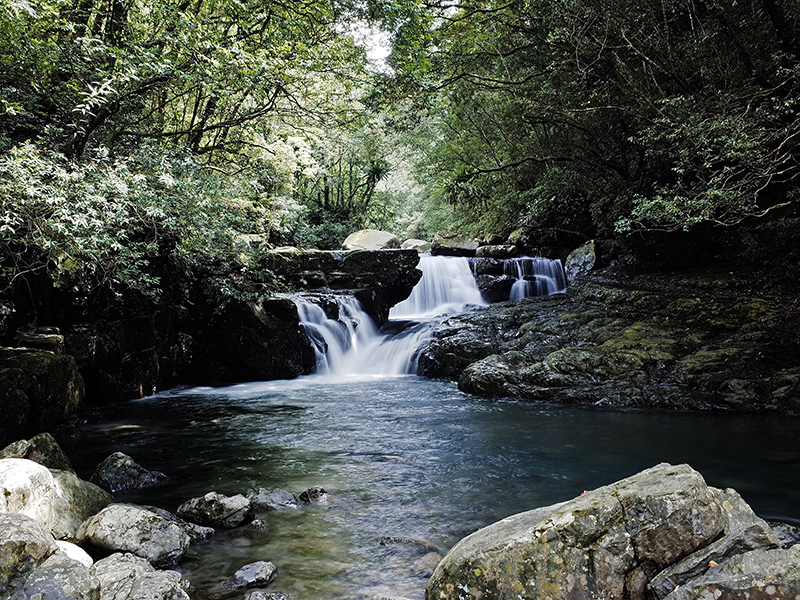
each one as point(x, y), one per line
point(535, 277)
point(352, 345)
point(447, 285)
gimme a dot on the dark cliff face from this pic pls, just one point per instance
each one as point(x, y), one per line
point(127, 346)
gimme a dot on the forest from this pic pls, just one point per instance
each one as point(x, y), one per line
point(133, 131)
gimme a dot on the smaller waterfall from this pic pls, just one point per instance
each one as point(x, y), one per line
point(351, 344)
point(447, 284)
point(535, 276)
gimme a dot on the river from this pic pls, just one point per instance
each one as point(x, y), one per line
point(412, 458)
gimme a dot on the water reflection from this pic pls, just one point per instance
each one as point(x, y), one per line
point(412, 458)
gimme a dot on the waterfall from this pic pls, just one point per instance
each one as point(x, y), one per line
point(535, 277)
point(352, 345)
point(447, 285)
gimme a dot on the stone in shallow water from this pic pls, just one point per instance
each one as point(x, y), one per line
point(120, 472)
point(313, 494)
point(254, 575)
point(217, 510)
point(276, 499)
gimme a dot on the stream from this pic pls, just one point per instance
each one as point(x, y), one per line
point(411, 465)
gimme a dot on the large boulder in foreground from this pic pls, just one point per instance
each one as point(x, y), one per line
point(134, 529)
point(129, 577)
point(24, 545)
point(608, 543)
point(371, 239)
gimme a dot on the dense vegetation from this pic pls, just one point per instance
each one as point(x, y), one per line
point(131, 130)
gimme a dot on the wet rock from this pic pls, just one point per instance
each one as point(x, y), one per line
point(254, 575)
point(42, 449)
point(59, 578)
point(129, 577)
point(495, 288)
point(217, 510)
point(120, 472)
point(452, 244)
point(276, 499)
point(313, 494)
point(195, 532)
point(420, 246)
point(787, 533)
point(371, 239)
point(580, 261)
point(129, 528)
point(756, 574)
point(424, 566)
point(608, 542)
point(420, 544)
point(24, 545)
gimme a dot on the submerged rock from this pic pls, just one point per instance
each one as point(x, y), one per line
point(217, 510)
point(134, 529)
point(120, 472)
point(610, 542)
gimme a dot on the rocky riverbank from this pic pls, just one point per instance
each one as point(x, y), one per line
point(694, 340)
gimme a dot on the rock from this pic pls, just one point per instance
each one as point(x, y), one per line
point(24, 545)
point(59, 578)
point(42, 449)
point(255, 575)
point(452, 244)
point(27, 488)
point(129, 528)
point(764, 574)
point(263, 595)
point(75, 552)
point(276, 499)
point(129, 577)
point(580, 261)
point(788, 534)
point(195, 532)
point(40, 391)
point(495, 288)
point(424, 566)
point(605, 543)
point(75, 501)
point(744, 531)
point(420, 246)
point(371, 239)
point(497, 251)
point(217, 510)
point(41, 338)
point(420, 544)
point(120, 472)
point(313, 494)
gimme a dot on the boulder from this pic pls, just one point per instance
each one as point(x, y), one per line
point(39, 391)
point(495, 288)
point(120, 472)
point(255, 575)
point(75, 552)
point(452, 244)
point(195, 532)
point(24, 545)
point(129, 528)
point(59, 578)
point(371, 239)
point(28, 488)
point(129, 577)
point(276, 499)
point(606, 543)
point(75, 501)
point(42, 449)
point(580, 261)
point(497, 251)
point(264, 595)
point(420, 246)
point(759, 574)
point(217, 510)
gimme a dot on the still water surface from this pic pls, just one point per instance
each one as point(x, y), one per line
point(408, 457)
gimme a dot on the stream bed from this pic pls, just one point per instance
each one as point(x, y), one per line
point(408, 458)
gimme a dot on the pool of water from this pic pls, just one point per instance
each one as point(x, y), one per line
point(408, 457)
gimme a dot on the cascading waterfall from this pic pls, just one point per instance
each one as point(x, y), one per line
point(352, 345)
point(447, 285)
point(535, 276)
